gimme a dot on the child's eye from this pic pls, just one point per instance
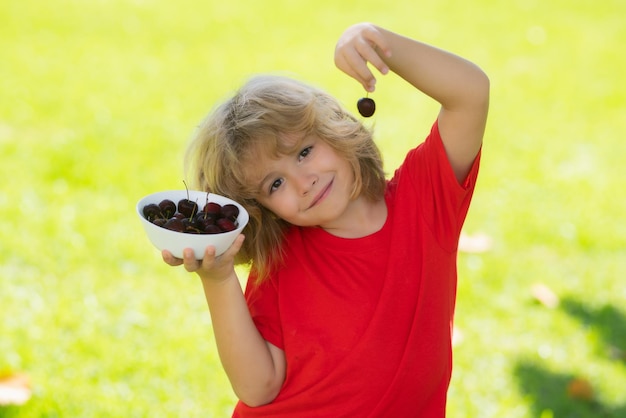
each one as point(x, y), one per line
point(275, 185)
point(304, 153)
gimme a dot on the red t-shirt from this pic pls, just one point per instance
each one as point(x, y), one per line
point(366, 323)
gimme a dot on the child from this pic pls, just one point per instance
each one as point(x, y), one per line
point(349, 303)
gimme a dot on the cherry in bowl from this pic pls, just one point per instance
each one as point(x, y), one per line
point(177, 219)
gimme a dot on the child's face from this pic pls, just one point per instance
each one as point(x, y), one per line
point(309, 187)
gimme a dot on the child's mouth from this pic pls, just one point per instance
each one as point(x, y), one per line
point(321, 195)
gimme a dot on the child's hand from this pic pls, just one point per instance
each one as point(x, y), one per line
point(358, 45)
point(210, 267)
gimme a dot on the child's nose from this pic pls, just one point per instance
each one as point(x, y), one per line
point(306, 182)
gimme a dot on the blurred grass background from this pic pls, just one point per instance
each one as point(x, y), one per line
point(99, 98)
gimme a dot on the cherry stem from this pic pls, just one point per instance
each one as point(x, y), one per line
point(186, 188)
point(192, 210)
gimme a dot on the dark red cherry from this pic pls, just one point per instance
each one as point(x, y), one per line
point(168, 208)
point(159, 221)
point(230, 211)
point(212, 208)
point(204, 219)
point(187, 207)
point(226, 225)
point(212, 229)
point(175, 224)
point(366, 106)
point(152, 211)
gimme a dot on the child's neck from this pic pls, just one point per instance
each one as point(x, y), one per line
point(364, 218)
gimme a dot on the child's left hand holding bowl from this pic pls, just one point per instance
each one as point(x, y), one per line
point(211, 267)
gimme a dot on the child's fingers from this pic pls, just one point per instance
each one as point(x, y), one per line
point(353, 57)
point(170, 259)
point(353, 64)
point(373, 46)
point(368, 54)
point(379, 44)
point(210, 260)
point(371, 55)
point(189, 260)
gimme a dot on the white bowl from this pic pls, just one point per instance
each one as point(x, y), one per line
point(176, 242)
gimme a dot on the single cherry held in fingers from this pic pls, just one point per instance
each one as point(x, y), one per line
point(366, 106)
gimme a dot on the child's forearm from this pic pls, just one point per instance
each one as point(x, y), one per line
point(449, 79)
point(256, 377)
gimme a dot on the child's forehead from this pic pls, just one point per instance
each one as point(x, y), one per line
point(256, 171)
point(278, 145)
point(286, 141)
point(263, 153)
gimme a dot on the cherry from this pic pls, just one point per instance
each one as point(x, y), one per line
point(230, 211)
point(187, 207)
point(159, 221)
point(175, 224)
point(226, 224)
point(212, 229)
point(212, 208)
point(366, 106)
point(168, 208)
point(152, 211)
point(203, 219)
point(186, 216)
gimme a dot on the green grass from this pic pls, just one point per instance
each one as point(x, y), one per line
point(98, 100)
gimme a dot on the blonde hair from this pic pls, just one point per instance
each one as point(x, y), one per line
point(258, 116)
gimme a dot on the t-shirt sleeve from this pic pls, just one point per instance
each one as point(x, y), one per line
point(262, 300)
point(442, 201)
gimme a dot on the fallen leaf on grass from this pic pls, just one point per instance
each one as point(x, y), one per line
point(616, 353)
point(14, 389)
point(545, 295)
point(477, 243)
point(580, 388)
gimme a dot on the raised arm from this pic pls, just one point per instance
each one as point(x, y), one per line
point(458, 85)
